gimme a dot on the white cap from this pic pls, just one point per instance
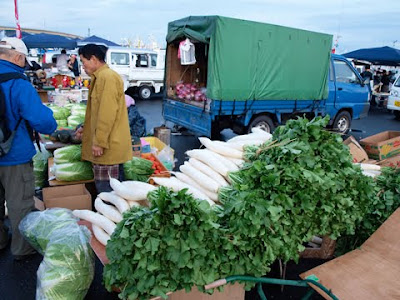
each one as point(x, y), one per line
point(15, 44)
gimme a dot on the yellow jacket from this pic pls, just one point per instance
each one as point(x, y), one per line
point(106, 122)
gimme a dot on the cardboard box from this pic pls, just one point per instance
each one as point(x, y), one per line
point(39, 204)
point(72, 197)
point(382, 145)
point(356, 151)
point(393, 162)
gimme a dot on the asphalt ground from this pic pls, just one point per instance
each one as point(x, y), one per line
point(18, 278)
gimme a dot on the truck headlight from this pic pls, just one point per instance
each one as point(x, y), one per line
point(394, 93)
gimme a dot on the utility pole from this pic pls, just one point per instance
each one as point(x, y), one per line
point(88, 31)
point(394, 43)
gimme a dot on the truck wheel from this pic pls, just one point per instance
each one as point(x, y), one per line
point(342, 122)
point(145, 92)
point(397, 114)
point(263, 122)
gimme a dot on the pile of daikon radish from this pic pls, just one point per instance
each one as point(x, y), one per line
point(207, 169)
point(205, 172)
point(110, 206)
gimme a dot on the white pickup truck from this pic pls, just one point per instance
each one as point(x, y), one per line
point(141, 70)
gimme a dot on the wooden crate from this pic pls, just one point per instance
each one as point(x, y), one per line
point(325, 252)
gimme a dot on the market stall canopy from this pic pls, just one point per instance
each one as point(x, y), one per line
point(251, 60)
point(96, 40)
point(386, 56)
point(44, 40)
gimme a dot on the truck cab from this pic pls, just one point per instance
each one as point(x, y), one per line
point(141, 70)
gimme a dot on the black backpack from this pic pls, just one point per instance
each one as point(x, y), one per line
point(6, 134)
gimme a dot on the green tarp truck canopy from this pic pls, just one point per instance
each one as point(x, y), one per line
point(250, 60)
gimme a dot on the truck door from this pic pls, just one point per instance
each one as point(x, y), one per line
point(350, 91)
point(330, 104)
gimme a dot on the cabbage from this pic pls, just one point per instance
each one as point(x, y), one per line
point(61, 123)
point(67, 269)
point(75, 120)
point(78, 110)
point(60, 113)
point(75, 171)
point(67, 154)
point(40, 167)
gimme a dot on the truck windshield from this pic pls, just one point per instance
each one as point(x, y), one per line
point(344, 73)
point(120, 58)
point(397, 83)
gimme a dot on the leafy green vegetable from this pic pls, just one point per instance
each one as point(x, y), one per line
point(75, 171)
point(299, 185)
point(40, 167)
point(67, 269)
point(385, 202)
point(175, 244)
point(67, 154)
point(138, 169)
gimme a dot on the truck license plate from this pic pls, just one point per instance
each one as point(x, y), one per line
point(397, 103)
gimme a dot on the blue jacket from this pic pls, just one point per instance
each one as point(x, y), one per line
point(22, 100)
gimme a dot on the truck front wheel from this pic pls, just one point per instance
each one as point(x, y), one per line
point(263, 122)
point(342, 122)
point(397, 114)
point(145, 92)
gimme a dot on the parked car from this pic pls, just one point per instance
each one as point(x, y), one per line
point(394, 98)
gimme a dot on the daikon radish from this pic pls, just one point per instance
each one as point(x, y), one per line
point(369, 167)
point(95, 219)
point(220, 148)
point(208, 171)
point(133, 203)
point(124, 192)
point(210, 160)
point(240, 144)
point(213, 196)
point(250, 136)
point(257, 130)
point(190, 181)
point(236, 161)
point(113, 198)
point(176, 185)
point(141, 189)
point(100, 235)
point(187, 179)
point(108, 211)
point(231, 166)
point(200, 178)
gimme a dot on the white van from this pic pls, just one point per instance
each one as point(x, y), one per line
point(394, 98)
point(141, 70)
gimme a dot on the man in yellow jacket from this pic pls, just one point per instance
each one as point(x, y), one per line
point(106, 139)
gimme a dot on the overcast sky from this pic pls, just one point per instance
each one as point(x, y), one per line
point(357, 23)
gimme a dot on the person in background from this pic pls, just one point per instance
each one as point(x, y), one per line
point(62, 60)
point(368, 77)
point(385, 80)
point(73, 65)
point(105, 135)
point(24, 112)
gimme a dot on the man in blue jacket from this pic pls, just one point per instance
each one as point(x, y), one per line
point(17, 183)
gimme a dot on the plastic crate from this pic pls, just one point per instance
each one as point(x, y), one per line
point(155, 143)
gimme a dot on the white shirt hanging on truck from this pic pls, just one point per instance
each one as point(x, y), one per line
point(186, 52)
